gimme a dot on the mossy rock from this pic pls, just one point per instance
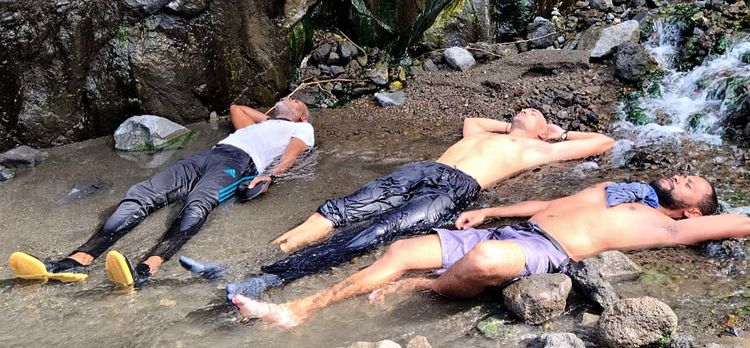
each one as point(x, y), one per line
point(745, 57)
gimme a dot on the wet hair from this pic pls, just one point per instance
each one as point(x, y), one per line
point(710, 203)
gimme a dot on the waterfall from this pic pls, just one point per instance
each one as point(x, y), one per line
point(688, 102)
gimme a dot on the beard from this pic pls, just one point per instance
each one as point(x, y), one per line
point(666, 196)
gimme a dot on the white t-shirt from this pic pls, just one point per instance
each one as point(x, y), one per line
point(267, 140)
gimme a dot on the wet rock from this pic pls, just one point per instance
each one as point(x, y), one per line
point(147, 6)
point(496, 328)
point(585, 169)
point(379, 75)
point(82, 189)
point(725, 249)
point(538, 298)
point(188, 7)
point(459, 58)
point(148, 132)
point(6, 174)
point(557, 340)
point(387, 344)
point(540, 31)
point(613, 36)
point(601, 5)
point(637, 322)
point(429, 65)
point(681, 341)
point(729, 342)
point(390, 99)
point(418, 342)
point(320, 54)
point(22, 156)
point(588, 280)
point(632, 63)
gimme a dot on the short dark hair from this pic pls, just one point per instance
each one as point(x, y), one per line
point(710, 203)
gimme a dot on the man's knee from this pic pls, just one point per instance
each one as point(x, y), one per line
point(495, 259)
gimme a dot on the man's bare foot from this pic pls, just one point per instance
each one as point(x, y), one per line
point(82, 258)
point(277, 314)
point(315, 229)
point(400, 287)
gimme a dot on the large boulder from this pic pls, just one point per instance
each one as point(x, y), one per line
point(22, 156)
point(540, 33)
point(609, 38)
point(632, 62)
point(637, 322)
point(538, 298)
point(459, 58)
point(148, 132)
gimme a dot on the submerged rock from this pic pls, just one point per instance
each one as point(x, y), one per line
point(6, 174)
point(22, 156)
point(188, 7)
point(538, 298)
point(459, 58)
point(391, 99)
point(418, 342)
point(632, 63)
point(148, 132)
point(496, 328)
point(614, 36)
point(637, 322)
point(83, 189)
point(557, 340)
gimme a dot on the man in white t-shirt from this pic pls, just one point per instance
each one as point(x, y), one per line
point(203, 181)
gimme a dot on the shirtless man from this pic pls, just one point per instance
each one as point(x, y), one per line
point(587, 223)
point(423, 195)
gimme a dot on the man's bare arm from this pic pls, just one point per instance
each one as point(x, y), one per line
point(292, 152)
point(580, 145)
point(705, 228)
point(473, 218)
point(476, 125)
point(243, 116)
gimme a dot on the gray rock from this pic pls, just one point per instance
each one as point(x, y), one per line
point(459, 58)
point(336, 70)
point(348, 50)
point(614, 266)
point(188, 7)
point(6, 174)
point(387, 344)
point(148, 132)
point(636, 322)
point(557, 340)
point(681, 341)
point(540, 31)
point(379, 75)
point(320, 54)
point(538, 298)
point(334, 58)
point(429, 65)
point(591, 284)
point(362, 344)
point(390, 99)
point(601, 5)
point(614, 36)
point(22, 156)
point(147, 6)
point(83, 189)
point(418, 342)
point(632, 63)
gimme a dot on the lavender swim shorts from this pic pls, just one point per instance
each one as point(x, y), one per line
point(543, 254)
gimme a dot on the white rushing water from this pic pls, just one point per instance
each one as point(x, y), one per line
point(687, 102)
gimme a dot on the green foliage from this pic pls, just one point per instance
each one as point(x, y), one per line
point(688, 56)
point(722, 45)
point(647, 28)
point(663, 340)
point(737, 198)
point(653, 89)
point(634, 113)
point(694, 120)
point(122, 34)
point(681, 12)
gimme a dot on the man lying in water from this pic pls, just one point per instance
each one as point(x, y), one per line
point(607, 216)
point(420, 196)
point(203, 181)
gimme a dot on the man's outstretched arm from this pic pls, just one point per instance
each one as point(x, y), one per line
point(579, 145)
point(243, 116)
point(473, 218)
point(476, 125)
point(293, 150)
point(704, 228)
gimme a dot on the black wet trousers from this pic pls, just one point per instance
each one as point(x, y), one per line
point(409, 201)
point(203, 180)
